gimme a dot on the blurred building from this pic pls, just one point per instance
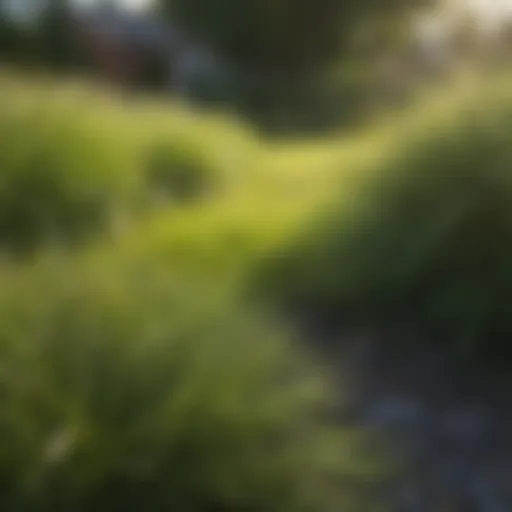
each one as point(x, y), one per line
point(134, 49)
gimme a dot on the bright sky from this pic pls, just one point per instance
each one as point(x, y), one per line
point(29, 7)
point(132, 4)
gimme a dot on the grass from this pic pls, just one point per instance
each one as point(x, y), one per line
point(62, 174)
point(137, 360)
point(124, 385)
point(134, 372)
point(357, 226)
point(420, 235)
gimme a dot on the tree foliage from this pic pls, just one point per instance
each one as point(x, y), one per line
point(16, 41)
point(55, 33)
point(281, 34)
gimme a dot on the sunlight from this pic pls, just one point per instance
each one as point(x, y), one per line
point(129, 4)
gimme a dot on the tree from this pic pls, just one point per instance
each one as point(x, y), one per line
point(17, 41)
point(289, 35)
point(55, 34)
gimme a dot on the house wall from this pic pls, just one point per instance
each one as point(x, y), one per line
point(113, 59)
point(176, 64)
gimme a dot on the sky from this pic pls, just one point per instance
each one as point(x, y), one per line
point(490, 13)
point(26, 8)
point(132, 4)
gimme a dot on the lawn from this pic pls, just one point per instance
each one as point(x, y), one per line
point(131, 357)
point(132, 230)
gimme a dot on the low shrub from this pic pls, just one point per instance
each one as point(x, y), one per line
point(61, 174)
point(124, 388)
point(426, 237)
point(180, 168)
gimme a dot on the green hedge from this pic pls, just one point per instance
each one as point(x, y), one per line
point(424, 234)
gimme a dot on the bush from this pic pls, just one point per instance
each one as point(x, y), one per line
point(181, 169)
point(125, 388)
point(427, 237)
point(61, 174)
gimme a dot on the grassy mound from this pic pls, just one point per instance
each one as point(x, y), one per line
point(123, 387)
point(61, 174)
point(424, 234)
point(74, 159)
point(181, 169)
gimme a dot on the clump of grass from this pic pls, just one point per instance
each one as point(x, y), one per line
point(424, 235)
point(181, 169)
point(126, 387)
point(61, 175)
point(72, 158)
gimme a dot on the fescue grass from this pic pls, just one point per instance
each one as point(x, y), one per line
point(74, 161)
point(423, 235)
point(61, 174)
point(124, 385)
point(133, 374)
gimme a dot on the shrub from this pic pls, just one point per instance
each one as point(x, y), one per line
point(427, 237)
point(61, 174)
point(124, 388)
point(181, 168)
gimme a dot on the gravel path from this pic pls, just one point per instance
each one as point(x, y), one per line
point(449, 420)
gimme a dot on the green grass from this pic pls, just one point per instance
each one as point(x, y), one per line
point(62, 174)
point(126, 386)
point(134, 374)
point(421, 234)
